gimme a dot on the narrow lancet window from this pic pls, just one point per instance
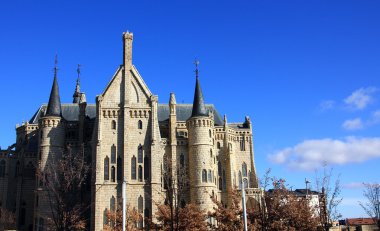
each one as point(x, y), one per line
point(133, 168)
point(140, 154)
point(204, 175)
point(106, 168)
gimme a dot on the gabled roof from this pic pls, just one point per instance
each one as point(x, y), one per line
point(360, 221)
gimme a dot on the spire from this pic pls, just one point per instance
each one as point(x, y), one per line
point(199, 108)
point(225, 122)
point(54, 106)
point(76, 96)
point(172, 98)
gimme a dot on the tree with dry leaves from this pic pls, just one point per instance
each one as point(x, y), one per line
point(175, 214)
point(283, 211)
point(228, 217)
point(190, 217)
point(7, 219)
point(115, 219)
point(372, 206)
point(64, 180)
point(326, 182)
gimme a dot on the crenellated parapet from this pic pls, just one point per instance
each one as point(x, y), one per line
point(51, 122)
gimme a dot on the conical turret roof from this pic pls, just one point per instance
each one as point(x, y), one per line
point(54, 106)
point(199, 108)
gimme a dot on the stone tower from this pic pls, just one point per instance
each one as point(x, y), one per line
point(126, 137)
point(201, 154)
point(51, 147)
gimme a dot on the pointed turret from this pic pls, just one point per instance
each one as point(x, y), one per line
point(199, 108)
point(77, 94)
point(54, 106)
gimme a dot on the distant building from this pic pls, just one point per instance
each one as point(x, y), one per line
point(128, 135)
point(359, 224)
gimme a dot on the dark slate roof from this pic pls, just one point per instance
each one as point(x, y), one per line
point(199, 108)
point(184, 112)
point(237, 125)
point(299, 192)
point(71, 111)
point(54, 106)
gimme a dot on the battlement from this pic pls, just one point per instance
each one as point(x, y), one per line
point(200, 122)
point(50, 121)
point(128, 35)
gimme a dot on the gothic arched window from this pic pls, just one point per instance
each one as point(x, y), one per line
point(204, 175)
point(140, 154)
point(139, 124)
point(113, 124)
point(106, 168)
point(140, 204)
point(244, 169)
point(209, 176)
point(113, 173)
point(133, 168)
point(140, 173)
point(218, 145)
point(113, 154)
point(242, 144)
point(245, 182)
point(112, 203)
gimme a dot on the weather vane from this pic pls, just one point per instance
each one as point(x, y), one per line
point(196, 62)
point(55, 64)
point(78, 70)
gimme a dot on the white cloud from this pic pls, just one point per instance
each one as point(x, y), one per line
point(312, 154)
point(375, 117)
point(353, 185)
point(326, 105)
point(354, 124)
point(360, 98)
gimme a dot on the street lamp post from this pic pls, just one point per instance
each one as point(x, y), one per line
point(124, 197)
point(244, 208)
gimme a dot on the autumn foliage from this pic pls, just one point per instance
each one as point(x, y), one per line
point(115, 219)
point(284, 211)
point(227, 217)
point(188, 218)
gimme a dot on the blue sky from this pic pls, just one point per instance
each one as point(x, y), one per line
point(306, 72)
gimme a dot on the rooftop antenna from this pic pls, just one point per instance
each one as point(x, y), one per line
point(307, 182)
